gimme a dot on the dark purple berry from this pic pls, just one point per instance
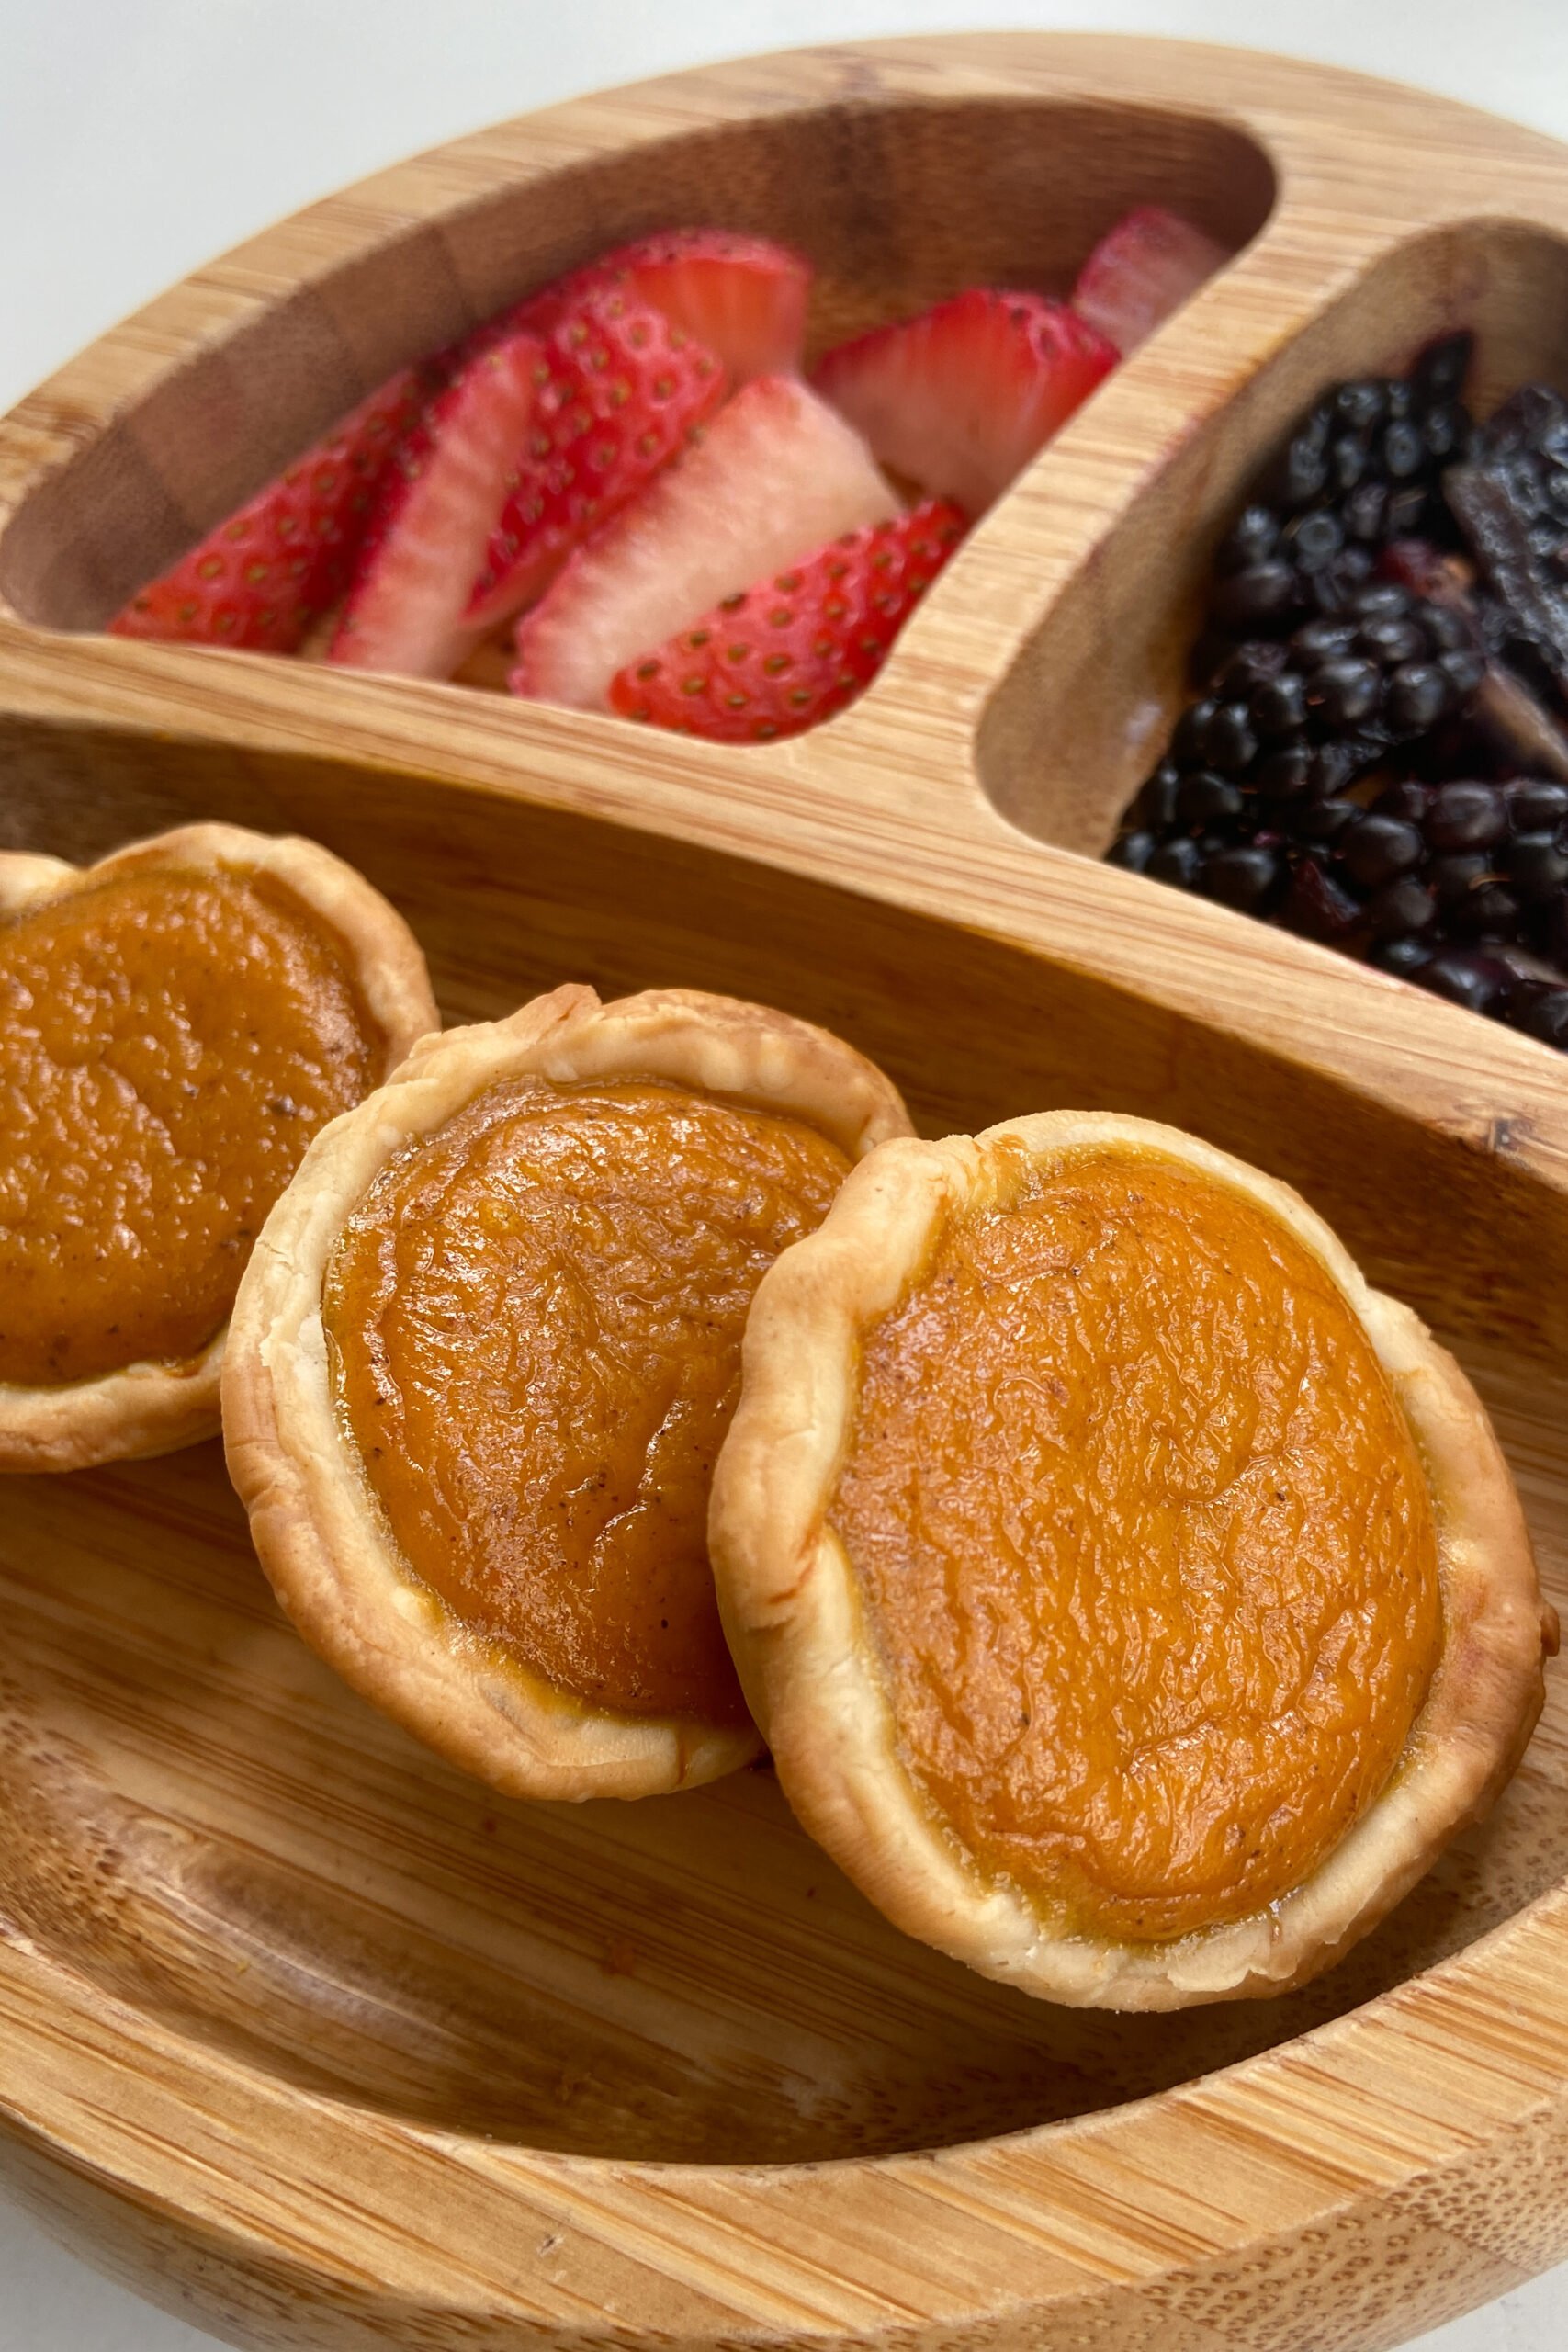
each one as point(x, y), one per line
point(1204, 798)
point(1320, 820)
point(1134, 851)
point(1489, 911)
point(1544, 1016)
point(1466, 816)
point(1390, 638)
point(1229, 743)
point(1464, 669)
point(1278, 705)
point(1404, 956)
point(1264, 591)
point(1177, 862)
point(1465, 976)
point(1400, 908)
point(1156, 804)
point(1321, 640)
point(1314, 538)
point(1286, 773)
point(1402, 452)
point(1445, 431)
point(1333, 767)
point(1416, 697)
point(1344, 691)
point(1335, 585)
point(1299, 474)
point(1381, 600)
point(1361, 405)
point(1554, 935)
point(1536, 805)
point(1406, 799)
point(1252, 538)
point(1245, 878)
point(1187, 742)
point(1375, 850)
point(1248, 666)
point(1537, 866)
point(1454, 877)
point(1444, 629)
point(1348, 458)
point(1366, 512)
point(1317, 906)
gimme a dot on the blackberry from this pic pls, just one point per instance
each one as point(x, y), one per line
point(1510, 502)
point(1357, 762)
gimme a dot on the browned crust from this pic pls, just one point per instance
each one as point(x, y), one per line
point(790, 1612)
point(324, 1544)
point(146, 1409)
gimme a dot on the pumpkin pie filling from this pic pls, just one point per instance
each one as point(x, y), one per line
point(535, 1318)
point(170, 1042)
point(1144, 1546)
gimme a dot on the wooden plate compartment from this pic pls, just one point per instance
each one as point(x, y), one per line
point(323, 2045)
point(1085, 709)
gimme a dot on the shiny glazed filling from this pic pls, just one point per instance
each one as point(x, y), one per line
point(1144, 1543)
point(535, 1317)
point(170, 1041)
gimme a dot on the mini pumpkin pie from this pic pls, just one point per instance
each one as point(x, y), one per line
point(178, 1021)
point(1134, 1600)
point(486, 1354)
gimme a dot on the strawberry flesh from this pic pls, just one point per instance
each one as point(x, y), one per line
point(407, 603)
point(625, 392)
point(266, 575)
point(742, 297)
point(961, 397)
point(1144, 268)
point(789, 652)
point(775, 470)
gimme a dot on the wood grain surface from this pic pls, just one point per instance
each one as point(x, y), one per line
point(321, 2044)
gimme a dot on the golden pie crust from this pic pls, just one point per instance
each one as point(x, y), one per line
point(148, 1408)
point(320, 1532)
point(798, 1619)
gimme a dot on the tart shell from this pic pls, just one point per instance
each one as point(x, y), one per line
point(319, 1530)
point(154, 1407)
point(792, 1614)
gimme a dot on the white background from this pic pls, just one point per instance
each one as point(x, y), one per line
point(139, 137)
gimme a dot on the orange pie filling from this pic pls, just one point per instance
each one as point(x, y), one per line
point(170, 1041)
point(535, 1318)
point(1144, 1545)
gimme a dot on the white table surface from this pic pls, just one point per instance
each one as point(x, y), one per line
point(139, 137)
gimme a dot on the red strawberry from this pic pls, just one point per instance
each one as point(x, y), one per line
point(742, 297)
point(789, 652)
point(961, 397)
point(627, 390)
point(438, 505)
point(265, 576)
point(1142, 271)
point(776, 470)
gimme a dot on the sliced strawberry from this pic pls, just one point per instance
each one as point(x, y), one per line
point(265, 577)
point(775, 472)
point(742, 297)
point(427, 539)
point(1141, 271)
point(792, 651)
point(961, 397)
point(627, 390)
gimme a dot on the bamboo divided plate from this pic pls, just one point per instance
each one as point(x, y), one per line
point(318, 2043)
